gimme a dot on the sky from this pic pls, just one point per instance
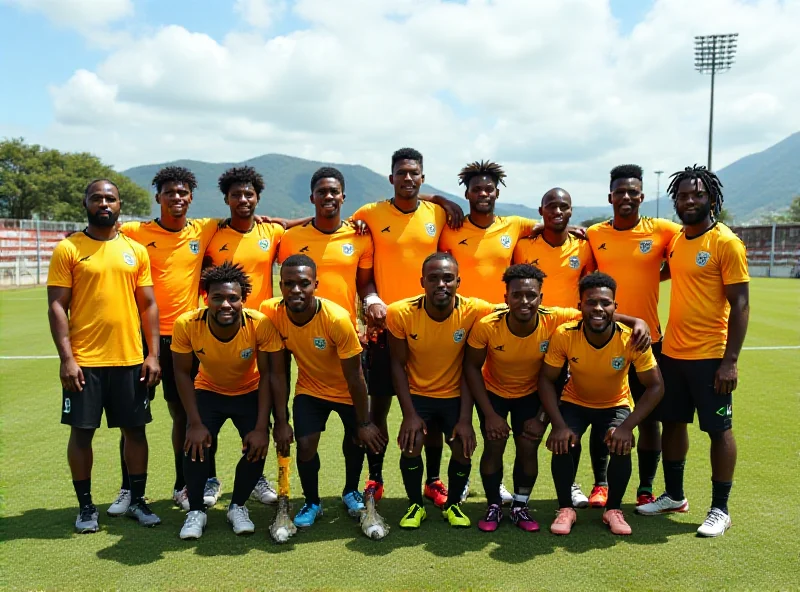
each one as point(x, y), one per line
point(556, 92)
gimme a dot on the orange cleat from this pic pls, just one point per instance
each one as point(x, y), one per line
point(599, 496)
point(436, 492)
point(644, 498)
point(376, 488)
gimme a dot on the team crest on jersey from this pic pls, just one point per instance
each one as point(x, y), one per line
point(505, 240)
point(348, 249)
point(574, 262)
point(246, 353)
point(264, 244)
point(129, 259)
point(194, 246)
point(458, 336)
point(320, 343)
point(617, 363)
point(645, 246)
point(702, 258)
point(430, 228)
point(543, 345)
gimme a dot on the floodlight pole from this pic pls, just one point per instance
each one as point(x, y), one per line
point(711, 108)
point(658, 189)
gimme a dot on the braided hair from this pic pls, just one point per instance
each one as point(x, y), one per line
point(710, 181)
point(484, 167)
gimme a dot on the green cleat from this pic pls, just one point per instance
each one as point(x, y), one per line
point(456, 517)
point(414, 517)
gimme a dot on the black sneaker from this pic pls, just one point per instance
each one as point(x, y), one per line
point(87, 520)
point(141, 512)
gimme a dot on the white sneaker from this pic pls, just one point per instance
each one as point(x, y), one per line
point(664, 504)
point(120, 506)
point(194, 525)
point(181, 498)
point(716, 523)
point(579, 500)
point(211, 492)
point(505, 495)
point(239, 518)
point(465, 493)
point(264, 492)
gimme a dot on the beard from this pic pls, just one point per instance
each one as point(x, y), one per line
point(105, 222)
point(697, 216)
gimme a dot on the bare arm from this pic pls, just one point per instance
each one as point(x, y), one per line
point(496, 427)
point(412, 423)
point(368, 432)
point(148, 314)
point(256, 443)
point(455, 215)
point(727, 377)
point(198, 437)
point(280, 400)
point(375, 307)
point(620, 440)
point(58, 301)
point(641, 331)
point(561, 438)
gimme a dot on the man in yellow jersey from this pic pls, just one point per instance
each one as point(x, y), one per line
point(708, 314)
point(428, 335)
point(323, 340)
point(239, 351)
point(100, 300)
point(599, 352)
point(632, 249)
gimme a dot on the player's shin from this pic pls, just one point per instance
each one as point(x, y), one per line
point(457, 476)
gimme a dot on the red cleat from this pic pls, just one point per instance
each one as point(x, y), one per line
point(644, 498)
point(437, 493)
point(599, 496)
point(376, 488)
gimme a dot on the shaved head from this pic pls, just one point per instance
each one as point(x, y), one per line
point(556, 193)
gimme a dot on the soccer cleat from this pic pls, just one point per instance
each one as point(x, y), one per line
point(372, 524)
point(264, 492)
point(194, 525)
point(664, 504)
point(506, 495)
point(579, 500)
point(565, 518)
point(307, 515)
point(645, 498)
point(239, 519)
point(715, 524)
point(599, 496)
point(282, 527)
point(354, 502)
point(87, 520)
point(120, 504)
point(615, 520)
point(465, 493)
point(376, 487)
point(521, 517)
point(491, 521)
point(414, 517)
point(456, 517)
point(142, 513)
point(436, 492)
point(181, 498)
point(211, 492)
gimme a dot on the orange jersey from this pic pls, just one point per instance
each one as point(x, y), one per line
point(598, 377)
point(701, 267)
point(338, 256)
point(254, 250)
point(176, 261)
point(512, 363)
point(318, 348)
point(402, 241)
point(435, 349)
point(104, 322)
point(564, 266)
point(633, 258)
point(483, 254)
point(226, 367)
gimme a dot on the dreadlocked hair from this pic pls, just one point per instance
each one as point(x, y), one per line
point(245, 175)
point(227, 273)
point(484, 167)
point(710, 181)
point(174, 174)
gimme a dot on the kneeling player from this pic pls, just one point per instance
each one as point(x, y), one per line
point(599, 352)
point(236, 347)
point(325, 345)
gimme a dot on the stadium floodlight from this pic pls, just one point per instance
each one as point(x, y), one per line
point(658, 189)
point(712, 54)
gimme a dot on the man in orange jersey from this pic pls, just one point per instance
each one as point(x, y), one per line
point(599, 352)
point(323, 340)
point(632, 248)
point(428, 335)
point(708, 314)
point(239, 352)
point(100, 300)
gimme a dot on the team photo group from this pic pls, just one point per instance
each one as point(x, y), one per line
point(546, 330)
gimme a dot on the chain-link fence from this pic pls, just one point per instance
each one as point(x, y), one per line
point(773, 250)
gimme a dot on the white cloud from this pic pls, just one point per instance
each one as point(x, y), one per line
point(552, 90)
point(77, 14)
point(260, 14)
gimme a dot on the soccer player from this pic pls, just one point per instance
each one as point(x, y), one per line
point(599, 352)
point(428, 334)
point(323, 340)
point(631, 248)
point(100, 300)
point(239, 350)
point(708, 314)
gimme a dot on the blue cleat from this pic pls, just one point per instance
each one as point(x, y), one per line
point(354, 502)
point(307, 515)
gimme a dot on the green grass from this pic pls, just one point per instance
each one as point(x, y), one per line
point(40, 551)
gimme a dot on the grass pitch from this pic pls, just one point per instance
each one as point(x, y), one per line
point(40, 551)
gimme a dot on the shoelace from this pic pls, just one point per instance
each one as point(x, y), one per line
point(438, 487)
point(241, 512)
point(144, 508)
point(123, 493)
point(193, 519)
point(87, 513)
point(522, 514)
point(305, 509)
point(562, 517)
point(713, 517)
point(493, 514)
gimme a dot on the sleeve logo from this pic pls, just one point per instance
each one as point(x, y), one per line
point(505, 240)
point(264, 244)
point(129, 259)
point(430, 228)
point(320, 343)
point(348, 249)
point(574, 262)
point(246, 353)
point(458, 336)
point(645, 246)
point(194, 246)
point(618, 363)
point(702, 258)
point(543, 345)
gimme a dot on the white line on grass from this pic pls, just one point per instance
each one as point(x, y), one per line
point(28, 357)
point(765, 347)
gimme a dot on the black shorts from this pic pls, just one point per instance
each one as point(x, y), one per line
point(579, 418)
point(521, 410)
point(562, 379)
point(689, 385)
point(438, 413)
point(168, 383)
point(379, 367)
point(215, 409)
point(311, 415)
point(637, 388)
point(115, 389)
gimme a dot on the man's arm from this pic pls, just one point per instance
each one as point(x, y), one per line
point(256, 443)
point(58, 301)
point(641, 338)
point(727, 377)
point(455, 215)
point(463, 429)
point(496, 427)
point(280, 400)
point(375, 307)
point(561, 437)
point(368, 432)
point(197, 436)
point(412, 423)
point(148, 315)
point(620, 440)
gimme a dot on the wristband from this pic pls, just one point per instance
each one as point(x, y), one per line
point(371, 299)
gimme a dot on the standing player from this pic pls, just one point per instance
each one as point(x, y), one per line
point(323, 340)
point(632, 248)
point(238, 348)
point(428, 335)
point(708, 314)
point(599, 352)
point(100, 298)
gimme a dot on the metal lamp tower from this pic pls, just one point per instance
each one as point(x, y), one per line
point(658, 189)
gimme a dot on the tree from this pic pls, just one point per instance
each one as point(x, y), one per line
point(587, 223)
point(725, 217)
point(37, 180)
